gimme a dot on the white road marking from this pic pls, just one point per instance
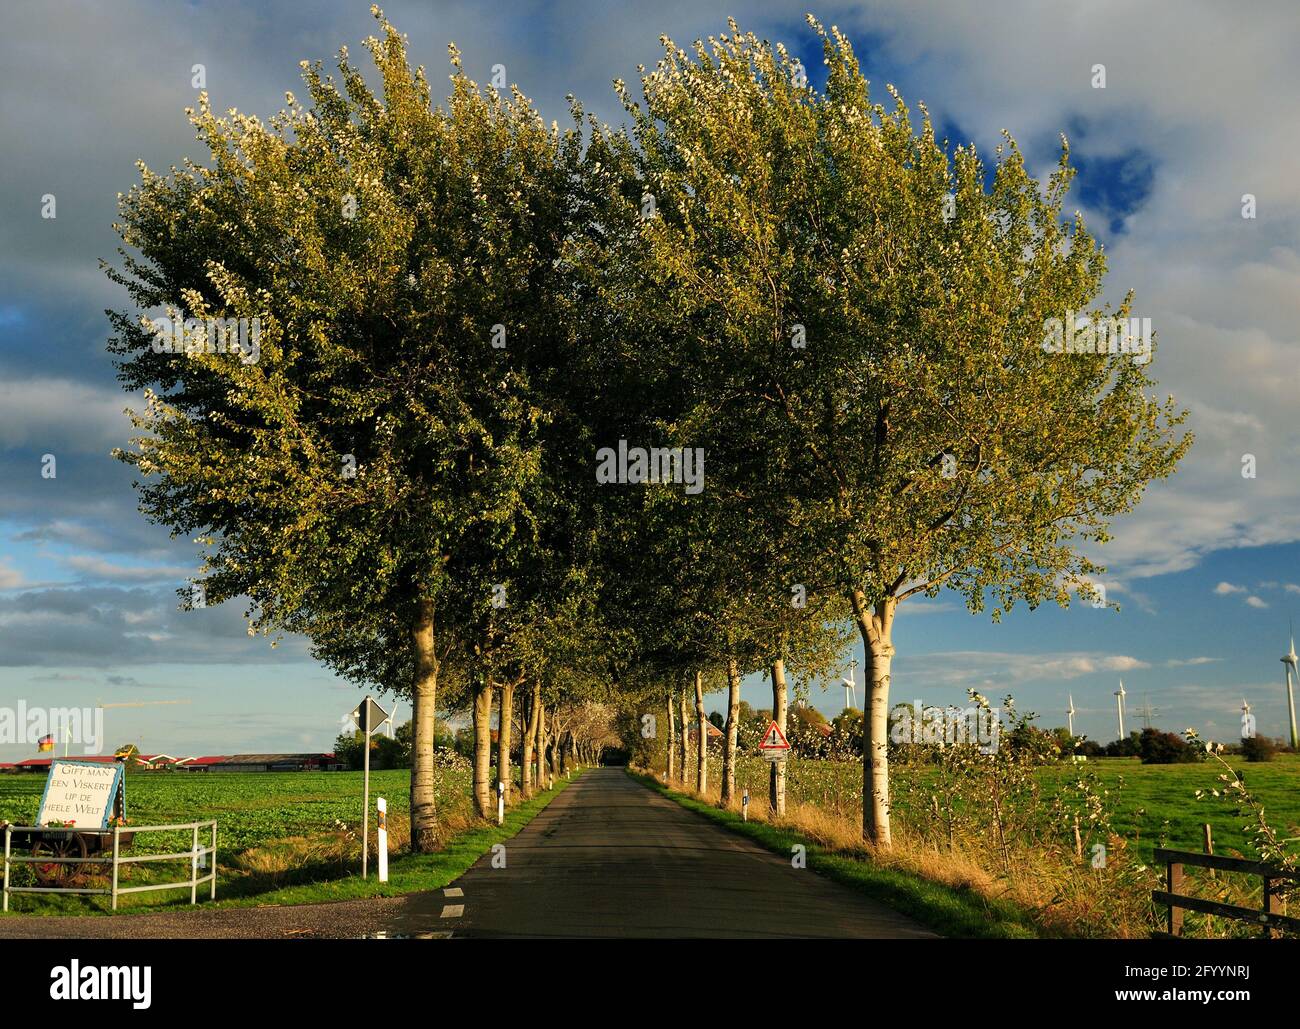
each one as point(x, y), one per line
point(453, 910)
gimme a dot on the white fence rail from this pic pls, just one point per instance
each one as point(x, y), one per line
point(114, 859)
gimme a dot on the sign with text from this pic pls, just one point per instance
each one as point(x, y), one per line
point(80, 792)
point(775, 746)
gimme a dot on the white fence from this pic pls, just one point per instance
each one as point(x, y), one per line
point(115, 859)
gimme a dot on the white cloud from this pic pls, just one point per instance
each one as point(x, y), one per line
point(50, 415)
point(10, 578)
point(993, 668)
point(1223, 292)
point(98, 568)
point(1224, 588)
point(1254, 601)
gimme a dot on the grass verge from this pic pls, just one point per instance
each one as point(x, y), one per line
point(407, 873)
point(948, 911)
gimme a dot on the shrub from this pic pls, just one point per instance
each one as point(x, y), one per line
point(1258, 748)
point(1165, 748)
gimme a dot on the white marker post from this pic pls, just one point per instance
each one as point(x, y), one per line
point(368, 717)
point(381, 833)
point(501, 802)
point(744, 807)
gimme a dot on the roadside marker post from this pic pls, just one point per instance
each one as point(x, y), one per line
point(381, 836)
point(501, 802)
point(744, 807)
point(368, 717)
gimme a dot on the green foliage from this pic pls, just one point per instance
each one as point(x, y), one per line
point(1258, 748)
point(1166, 748)
point(859, 359)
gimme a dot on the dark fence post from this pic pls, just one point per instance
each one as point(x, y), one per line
point(1174, 884)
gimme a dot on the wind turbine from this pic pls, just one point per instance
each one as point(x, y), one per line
point(1247, 721)
point(850, 688)
point(1120, 694)
point(1069, 715)
point(1289, 662)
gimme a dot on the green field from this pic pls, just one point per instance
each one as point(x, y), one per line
point(1153, 805)
point(290, 837)
point(252, 809)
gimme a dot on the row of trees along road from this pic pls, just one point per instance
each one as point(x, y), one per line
point(460, 306)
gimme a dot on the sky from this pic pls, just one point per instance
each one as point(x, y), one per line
point(1197, 110)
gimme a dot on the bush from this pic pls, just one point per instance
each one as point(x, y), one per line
point(1258, 748)
point(1128, 747)
point(1165, 748)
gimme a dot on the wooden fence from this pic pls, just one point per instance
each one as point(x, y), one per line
point(1269, 917)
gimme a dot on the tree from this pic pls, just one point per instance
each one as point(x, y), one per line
point(1258, 748)
point(366, 467)
point(867, 318)
point(1166, 748)
point(1129, 746)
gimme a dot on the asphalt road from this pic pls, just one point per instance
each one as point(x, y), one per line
point(606, 858)
point(610, 858)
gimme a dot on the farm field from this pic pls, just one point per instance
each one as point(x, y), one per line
point(252, 809)
point(1154, 805)
point(283, 837)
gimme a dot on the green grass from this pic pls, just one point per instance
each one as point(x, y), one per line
point(256, 810)
point(1154, 805)
point(1155, 801)
point(252, 808)
point(950, 912)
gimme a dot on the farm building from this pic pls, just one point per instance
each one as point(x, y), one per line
point(260, 763)
point(42, 764)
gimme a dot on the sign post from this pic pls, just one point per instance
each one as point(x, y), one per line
point(381, 833)
point(775, 747)
point(368, 717)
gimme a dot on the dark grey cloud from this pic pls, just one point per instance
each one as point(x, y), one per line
point(101, 626)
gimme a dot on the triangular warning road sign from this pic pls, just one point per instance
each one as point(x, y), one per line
point(774, 739)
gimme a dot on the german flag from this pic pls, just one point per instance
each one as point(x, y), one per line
point(46, 743)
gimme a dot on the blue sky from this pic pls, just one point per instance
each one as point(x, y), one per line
point(1197, 111)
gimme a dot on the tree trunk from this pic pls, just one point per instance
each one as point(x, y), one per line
point(528, 744)
point(776, 775)
point(424, 695)
point(672, 739)
point(541, 743)
point(733, 725)
point(505, 729)
point(681, 702)
point(702, 733)
point(876, 626)
point(483, 750)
